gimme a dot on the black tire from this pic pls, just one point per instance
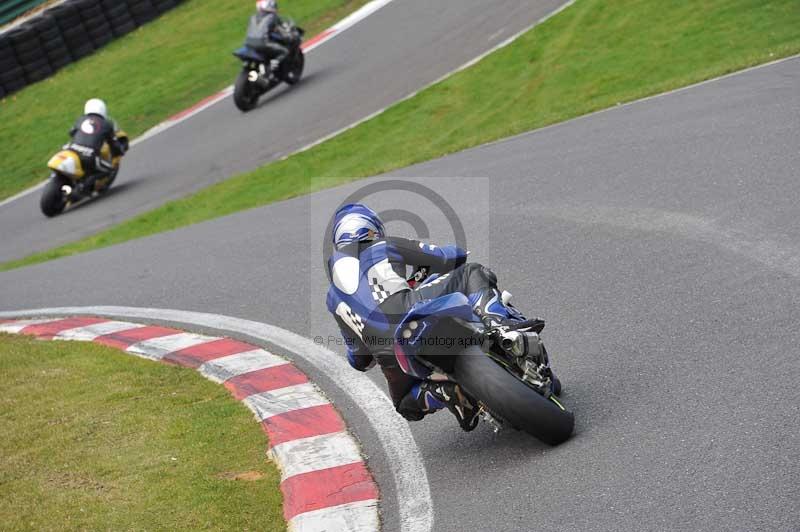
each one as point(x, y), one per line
point(295, 73)
point(8, 77)
point(53, 202)
point(59, 59)
point(123, 28)
point(245, 96)
point(8, 59)
point(37, 70)
point(13, 80)
point(511, 399)
point(163, 6)
point(82, 50)
point(143, 11)
point(119, 17)
point(40, 73)
point(23, 40)
point(78, 41)
point(94, 20)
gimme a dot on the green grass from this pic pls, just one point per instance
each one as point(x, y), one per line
point(94, 439)
point(593, 55)
point(145, 77)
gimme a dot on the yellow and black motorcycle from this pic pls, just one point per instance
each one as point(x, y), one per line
point(69, 181)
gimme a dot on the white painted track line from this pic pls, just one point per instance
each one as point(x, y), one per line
point(222, 369)
point(17, 326)
point(283, 400)
point(313, 454)
point(156, 348)
point(352, 516)
point(90, 332)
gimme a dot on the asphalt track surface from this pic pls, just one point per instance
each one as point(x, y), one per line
point(395, 51)
point(661, 241)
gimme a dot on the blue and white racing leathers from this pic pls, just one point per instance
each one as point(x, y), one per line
point(369, 295)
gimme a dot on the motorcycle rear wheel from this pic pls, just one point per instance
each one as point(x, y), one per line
point(245, 97)
point(508, 397)
point(53, 201)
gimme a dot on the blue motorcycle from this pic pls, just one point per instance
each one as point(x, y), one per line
point(257, 78)
point(504, 370)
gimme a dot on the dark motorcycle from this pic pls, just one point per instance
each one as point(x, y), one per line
point(256, 79)
point(504, 370)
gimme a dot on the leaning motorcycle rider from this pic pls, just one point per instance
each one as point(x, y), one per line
point(265, 35)
point(93, 129)
point(370, 294)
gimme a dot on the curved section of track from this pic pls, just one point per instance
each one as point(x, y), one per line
point(324, 480)
point(413, 494)
point(661, 240)
point(398, 49)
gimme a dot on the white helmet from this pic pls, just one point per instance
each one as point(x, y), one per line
point(96, 106)
point(265, 6)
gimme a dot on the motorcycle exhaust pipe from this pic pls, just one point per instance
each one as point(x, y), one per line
point(521, 344)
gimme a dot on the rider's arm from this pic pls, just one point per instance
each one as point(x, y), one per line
point(110, 134)
point(358, 354)
point(75, 127)
point(440, 259)
point(272, 24)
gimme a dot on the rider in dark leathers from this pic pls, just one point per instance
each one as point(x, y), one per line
point(264, 35)
point(91, 130)
point(369, 295)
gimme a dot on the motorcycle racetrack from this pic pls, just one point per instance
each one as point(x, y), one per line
point(659, 239)
point(395, 51)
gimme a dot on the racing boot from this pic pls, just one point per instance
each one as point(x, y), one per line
point(431, 396)
point(494, 308)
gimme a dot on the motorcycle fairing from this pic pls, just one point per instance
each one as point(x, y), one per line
point(245, 53)
point(105, 154)
point(67, 162)
point(419, 321)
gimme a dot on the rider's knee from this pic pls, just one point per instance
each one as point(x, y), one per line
point(479, 270)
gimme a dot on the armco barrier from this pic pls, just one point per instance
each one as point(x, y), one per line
point(66, 32)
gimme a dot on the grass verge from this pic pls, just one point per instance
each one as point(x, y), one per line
point(145, 77)
point(95, 439)
point(591, 56)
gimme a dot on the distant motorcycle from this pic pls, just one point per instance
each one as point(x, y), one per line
point(256, 79)
point(505, 372)
point(69, 181)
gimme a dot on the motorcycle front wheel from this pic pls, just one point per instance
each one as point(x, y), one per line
point(296, 72)
point(506, 396)
point(53, 201)
point(245, 96)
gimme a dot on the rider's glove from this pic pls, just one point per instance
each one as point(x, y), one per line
point(455, 254)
